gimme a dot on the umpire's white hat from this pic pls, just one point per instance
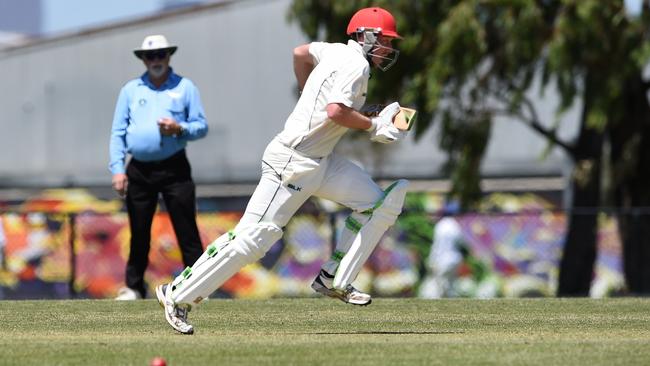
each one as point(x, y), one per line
point(156, 42)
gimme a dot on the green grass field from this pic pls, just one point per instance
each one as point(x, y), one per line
point(328, 332)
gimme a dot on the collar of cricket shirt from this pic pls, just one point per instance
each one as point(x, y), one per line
point(172, 81)
point(356, 46)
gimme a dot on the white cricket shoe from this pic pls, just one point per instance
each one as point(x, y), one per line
point(323, 284)
point(127, 294)
point(176, 315)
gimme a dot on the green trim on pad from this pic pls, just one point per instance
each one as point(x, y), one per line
point(212, 250)
point(337, 255)
point(368, 211)
point(379, 203)
point(352, 224)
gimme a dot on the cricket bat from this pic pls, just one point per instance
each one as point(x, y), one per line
point(405, 118)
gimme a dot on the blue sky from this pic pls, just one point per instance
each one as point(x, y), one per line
point(70, 15)
point(633, 6)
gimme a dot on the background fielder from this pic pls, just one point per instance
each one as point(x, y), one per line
point(299, 163)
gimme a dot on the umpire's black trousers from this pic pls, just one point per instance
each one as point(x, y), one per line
point(172, 178)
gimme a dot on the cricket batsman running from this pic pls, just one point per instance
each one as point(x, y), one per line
point(299, 163)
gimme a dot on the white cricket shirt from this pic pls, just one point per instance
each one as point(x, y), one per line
point(340, 76)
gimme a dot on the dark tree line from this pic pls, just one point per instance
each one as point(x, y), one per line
point(465, 62)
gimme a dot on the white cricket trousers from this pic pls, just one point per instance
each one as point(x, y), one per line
point(289, 179)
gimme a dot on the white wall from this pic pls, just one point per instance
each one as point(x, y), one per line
point(58, 99)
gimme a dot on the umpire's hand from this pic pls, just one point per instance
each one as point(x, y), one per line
point(169, 127)
point(120, 183)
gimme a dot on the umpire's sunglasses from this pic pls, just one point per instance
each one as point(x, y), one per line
point(155, 55)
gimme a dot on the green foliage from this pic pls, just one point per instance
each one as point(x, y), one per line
point(465, 139)
point(417, 227)
point(465, 62)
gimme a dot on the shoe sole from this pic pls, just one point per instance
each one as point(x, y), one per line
point(160, 295)
point(335, 295)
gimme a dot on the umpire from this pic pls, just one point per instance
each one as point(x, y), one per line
point(155, 116)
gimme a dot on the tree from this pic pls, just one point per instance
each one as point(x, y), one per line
point(465, 62)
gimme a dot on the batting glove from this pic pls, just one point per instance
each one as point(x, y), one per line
point(386, 134)
point(385, 117)
point(383, 130)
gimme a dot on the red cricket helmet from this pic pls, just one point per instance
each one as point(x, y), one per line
point(375, 18)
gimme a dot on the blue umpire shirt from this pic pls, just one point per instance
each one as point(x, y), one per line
point(139, 107)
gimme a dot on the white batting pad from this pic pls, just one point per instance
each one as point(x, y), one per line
point(383, 216)
point(353, 225)
point(216, 266)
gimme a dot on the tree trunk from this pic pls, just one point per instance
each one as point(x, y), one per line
point(579, 255)
point(631, 174)
point(634, 228)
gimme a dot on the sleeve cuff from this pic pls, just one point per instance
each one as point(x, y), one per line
point(117, 167)
point(184, 129)
point(341, 99)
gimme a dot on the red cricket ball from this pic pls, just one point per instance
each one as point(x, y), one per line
point(158, 361)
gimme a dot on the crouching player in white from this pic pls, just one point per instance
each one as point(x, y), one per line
point(299, 163)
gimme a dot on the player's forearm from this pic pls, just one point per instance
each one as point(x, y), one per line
point(347, 117)
point(303, 64)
